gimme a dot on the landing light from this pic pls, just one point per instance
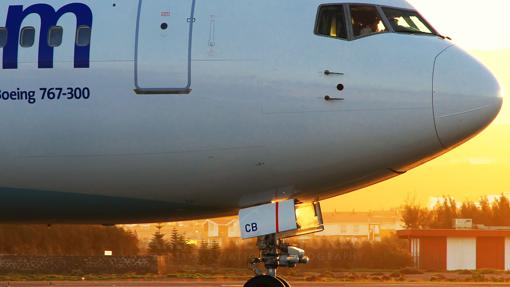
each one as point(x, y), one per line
point(308, 218)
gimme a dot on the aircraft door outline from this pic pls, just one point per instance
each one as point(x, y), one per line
point(160, 73)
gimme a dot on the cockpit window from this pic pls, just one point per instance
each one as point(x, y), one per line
point(366, 20)
point(407, 21)
point(331, 21)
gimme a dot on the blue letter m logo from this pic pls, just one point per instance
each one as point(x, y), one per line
point(49, 17)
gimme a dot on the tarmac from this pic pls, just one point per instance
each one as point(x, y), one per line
point(203, 283)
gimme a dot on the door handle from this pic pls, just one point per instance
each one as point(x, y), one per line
point(328, 73)
point(328, 98)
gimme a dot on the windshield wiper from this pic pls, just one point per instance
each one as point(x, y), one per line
point(416, 32)
point(443, 36)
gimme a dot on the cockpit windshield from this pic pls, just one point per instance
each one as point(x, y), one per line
point(407, 21)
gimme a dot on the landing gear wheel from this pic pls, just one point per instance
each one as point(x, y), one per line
point(283, 281)
point(264, 281)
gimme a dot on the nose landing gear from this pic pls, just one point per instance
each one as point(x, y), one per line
point(274, 253)
point(270, 223)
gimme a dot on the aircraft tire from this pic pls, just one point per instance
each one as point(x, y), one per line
point(264, 281)
point(285, 282)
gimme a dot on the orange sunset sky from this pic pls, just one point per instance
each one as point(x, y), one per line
point(481, 166)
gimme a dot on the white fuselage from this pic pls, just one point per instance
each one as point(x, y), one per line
point(250, 123)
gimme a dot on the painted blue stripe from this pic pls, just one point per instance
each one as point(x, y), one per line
point(35, 206)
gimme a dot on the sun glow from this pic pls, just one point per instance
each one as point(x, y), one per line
point(480, 26)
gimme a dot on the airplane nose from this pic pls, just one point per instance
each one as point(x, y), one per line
point(466, 96)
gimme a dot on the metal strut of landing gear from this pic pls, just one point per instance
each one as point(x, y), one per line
point(273, 251)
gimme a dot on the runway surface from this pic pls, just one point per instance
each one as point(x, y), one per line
point(172, 283)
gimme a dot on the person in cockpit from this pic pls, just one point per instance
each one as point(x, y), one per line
point(370, 26)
